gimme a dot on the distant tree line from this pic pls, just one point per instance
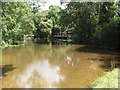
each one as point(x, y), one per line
point(93, 23)
point(88, 23)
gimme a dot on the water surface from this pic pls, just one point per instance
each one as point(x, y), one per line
point(51, 66)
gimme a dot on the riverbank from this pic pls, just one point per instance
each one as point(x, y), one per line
point(7, 45)
point(109, 80)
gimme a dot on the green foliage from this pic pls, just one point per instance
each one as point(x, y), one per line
point(16, 22)
point(54, 15)
point(46, 22)
point(92, 23)
point(43, 24)
point(89, 23)
point(79, 17)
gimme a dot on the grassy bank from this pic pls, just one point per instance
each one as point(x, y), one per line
point(109, 80)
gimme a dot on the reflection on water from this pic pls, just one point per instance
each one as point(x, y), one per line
point(69, 60)
point(41, 74)
point(39, 65)
point(92, 65)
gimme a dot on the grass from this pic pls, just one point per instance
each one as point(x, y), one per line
point(109, 80)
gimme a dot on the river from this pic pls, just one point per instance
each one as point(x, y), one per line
point(52, 66)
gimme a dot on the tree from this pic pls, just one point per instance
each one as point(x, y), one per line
point(95, 23)
point(78, 17)
point(16, 22)
point(43, 24)
point(54, 15)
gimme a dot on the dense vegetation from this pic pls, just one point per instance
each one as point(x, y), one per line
point(88, 23)
point(17, 21)
point(93, 23)
point(47, 22)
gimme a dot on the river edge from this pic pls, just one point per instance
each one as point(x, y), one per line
point(109, 80)
point(8, 46)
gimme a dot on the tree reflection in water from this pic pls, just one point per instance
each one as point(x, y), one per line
point(40, 74)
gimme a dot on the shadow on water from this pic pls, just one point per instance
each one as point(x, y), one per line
point(42, 41)
point(99, 50)
point(6, 68)
point(106, 61)
point(52, 41)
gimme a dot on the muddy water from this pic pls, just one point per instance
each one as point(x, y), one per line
point(46, 66)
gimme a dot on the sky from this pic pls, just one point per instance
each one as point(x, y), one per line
point(52, 2)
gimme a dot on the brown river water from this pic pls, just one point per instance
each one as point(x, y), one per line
point(52, 66)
